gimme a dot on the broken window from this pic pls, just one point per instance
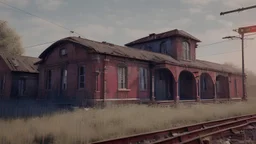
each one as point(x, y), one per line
point(143, 76)
point(122, 77)
point(21, 87)
point(81, 77)
point(185, 50)
point(64, 74)
point(49, 79)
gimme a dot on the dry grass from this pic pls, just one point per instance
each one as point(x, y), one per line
point(84, 126)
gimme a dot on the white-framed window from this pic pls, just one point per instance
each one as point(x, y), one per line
point(122, 77)
point(143, 78)
point(63, 51)
point(64, 75)
point(49, 79)
point(81, 77)
point(186, 50)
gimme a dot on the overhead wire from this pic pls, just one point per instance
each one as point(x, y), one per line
point(31, 14)
point(71, 31)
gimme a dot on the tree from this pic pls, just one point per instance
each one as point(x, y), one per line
point(10, 41)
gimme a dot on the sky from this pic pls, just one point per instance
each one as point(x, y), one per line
point(122, 21)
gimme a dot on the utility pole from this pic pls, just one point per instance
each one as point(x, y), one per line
point(238, 10)
point(242, 31)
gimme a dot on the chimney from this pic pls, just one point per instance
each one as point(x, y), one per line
point(152, 34)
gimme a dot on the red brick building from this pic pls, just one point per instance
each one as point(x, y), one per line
point(159, 67)
point(18, 77)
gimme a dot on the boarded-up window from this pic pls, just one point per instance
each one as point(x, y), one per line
point(122, 77)
point(49, 79)
point(143, 78)
point(185, 50)
point(64, 74)
point(81, 81)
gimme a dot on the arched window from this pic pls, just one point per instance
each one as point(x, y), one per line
point(185, 50)
point(163, 48)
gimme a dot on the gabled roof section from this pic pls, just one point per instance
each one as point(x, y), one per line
point(111, 49)
point(122, 51)
point(167, 34)
point(20, 63)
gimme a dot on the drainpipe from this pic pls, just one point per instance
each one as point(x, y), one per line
point(104, 78)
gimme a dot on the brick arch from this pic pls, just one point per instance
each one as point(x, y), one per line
point(164, 84)
point(206, 86)
point(187, 85)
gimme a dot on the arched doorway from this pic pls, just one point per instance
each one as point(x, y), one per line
point(222, 86)
point(206, 86)
point(164, 85)
point(187, 86)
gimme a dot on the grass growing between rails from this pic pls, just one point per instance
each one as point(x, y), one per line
point(84, 126)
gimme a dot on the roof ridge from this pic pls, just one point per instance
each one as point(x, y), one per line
point(127, 47)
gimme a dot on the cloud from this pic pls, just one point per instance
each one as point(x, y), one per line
point(194, 10)
point(210, 17)
point(19, 3)
point(237, 3)
point(96, 31)
point(49, 4)
point(197, 2)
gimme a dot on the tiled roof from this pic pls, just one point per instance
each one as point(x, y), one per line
point(122, 51)
point(167, 34)
point(20, 63)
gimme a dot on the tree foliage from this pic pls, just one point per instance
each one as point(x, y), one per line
point(10, 41)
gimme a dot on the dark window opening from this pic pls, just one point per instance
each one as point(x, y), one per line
point(81, 77)
point(49, 79)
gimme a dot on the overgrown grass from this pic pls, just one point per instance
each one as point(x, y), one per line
point(88, 125)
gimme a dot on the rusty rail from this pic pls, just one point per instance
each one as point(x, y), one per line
point(196, 137)
point(180, 134)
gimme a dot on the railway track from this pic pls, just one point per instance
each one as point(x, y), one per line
point(191, 134)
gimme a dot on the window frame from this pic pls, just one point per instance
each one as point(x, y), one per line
point(64, 79)
point(65, 54)
point(186, 50)
point(143, 79)
point(163, 49)
point(81, 76)
point(122, 83)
